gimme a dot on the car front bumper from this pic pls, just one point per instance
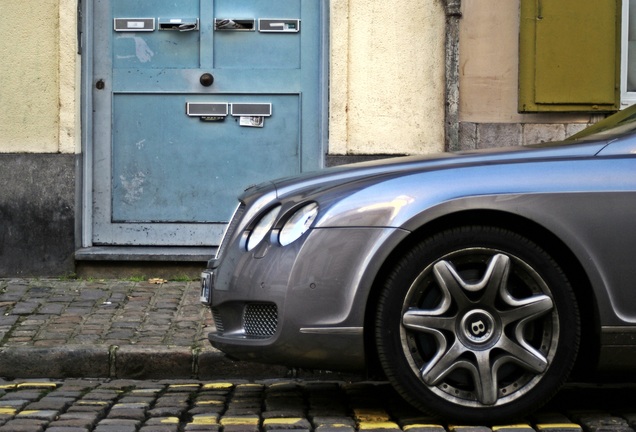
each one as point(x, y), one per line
point(302, 305)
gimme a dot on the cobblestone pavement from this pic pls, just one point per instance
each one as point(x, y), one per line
point(124, 332)
point(53, 312)
point(105, 328)
point(104, 405)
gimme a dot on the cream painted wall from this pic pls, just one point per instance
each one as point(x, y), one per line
point(39, 77)
point(489, 56)
point(387, 77)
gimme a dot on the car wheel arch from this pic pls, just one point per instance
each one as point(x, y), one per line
point(572, 267)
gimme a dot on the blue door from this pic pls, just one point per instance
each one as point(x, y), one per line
point(192, 102)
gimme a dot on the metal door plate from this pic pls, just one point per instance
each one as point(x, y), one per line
point(134, 24)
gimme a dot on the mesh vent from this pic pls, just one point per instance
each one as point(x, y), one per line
point(218, 322)
point(229, 231)
point(260, 319)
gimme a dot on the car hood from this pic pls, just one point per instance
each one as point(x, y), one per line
point(412, 164)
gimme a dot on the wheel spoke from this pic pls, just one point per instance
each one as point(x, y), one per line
point(495, 278)
point(523, 355)
point(450, 282)
point(426, 321)
point(527, 309)
point(492, 282)
point(442, 364)
point(486, 382)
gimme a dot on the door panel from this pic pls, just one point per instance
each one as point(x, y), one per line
point(163, 176)
point(267, 50)
point(159, 154)
point(156, 49)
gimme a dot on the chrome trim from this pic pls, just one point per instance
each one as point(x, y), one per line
point(332, 330)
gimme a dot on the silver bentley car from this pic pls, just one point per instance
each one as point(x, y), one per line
point(475, 283)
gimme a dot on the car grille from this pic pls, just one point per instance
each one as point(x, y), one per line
point(260, 319)
point(229, 231)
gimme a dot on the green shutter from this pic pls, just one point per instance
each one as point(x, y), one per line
point(569, 55)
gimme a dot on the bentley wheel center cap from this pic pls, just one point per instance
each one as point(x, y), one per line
point(478, 326)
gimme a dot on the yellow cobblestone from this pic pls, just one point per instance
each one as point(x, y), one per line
point(372, 425)
point(512, 426)
point(218, 386)
point(423, 426)
point(370, 415)
point(170, 420)
point(204, 420)
point(37, 385)
point(187, 385)
point(281, 421)
point(558, 426)
point(249, 421)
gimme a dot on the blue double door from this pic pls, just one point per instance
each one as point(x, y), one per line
point(192, 102)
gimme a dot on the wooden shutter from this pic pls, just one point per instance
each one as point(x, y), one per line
point(569, 55)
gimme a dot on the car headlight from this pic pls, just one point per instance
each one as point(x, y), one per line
point(261, 229)
point(298, 224)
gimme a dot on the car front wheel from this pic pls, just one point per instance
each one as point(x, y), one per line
point(477, 324)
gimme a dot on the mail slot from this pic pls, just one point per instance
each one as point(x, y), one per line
point(179, 24)
point(268, 25)
point(233, 24)
point(251, 109)
point(134, 24)
point(206, 109)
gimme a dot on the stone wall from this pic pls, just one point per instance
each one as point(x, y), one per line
point(37, 214)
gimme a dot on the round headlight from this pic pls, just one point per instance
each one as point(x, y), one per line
point(262, 228)
point(298, 224)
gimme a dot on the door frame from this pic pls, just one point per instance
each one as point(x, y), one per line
point(86, 176)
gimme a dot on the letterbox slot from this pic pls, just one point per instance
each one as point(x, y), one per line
point(206, 109)
point(233, 24)
point(251, 109)
point(284, 25)
point(134, 24)
point(179, 24)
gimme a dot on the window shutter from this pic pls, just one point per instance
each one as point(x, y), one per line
point(569, 55)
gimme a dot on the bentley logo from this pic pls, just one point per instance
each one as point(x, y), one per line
point(478, 327)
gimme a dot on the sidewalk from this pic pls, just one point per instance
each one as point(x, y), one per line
point(111, 329)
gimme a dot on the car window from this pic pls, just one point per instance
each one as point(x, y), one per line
point(614, 126)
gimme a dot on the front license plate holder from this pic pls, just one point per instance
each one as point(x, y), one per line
point(206, 288)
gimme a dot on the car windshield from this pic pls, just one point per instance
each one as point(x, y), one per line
point(621, 123)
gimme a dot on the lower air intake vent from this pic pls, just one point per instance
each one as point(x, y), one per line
point(218, 322)
point(260, 319)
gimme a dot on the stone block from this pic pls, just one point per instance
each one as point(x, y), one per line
point(55, 362)
point(142, 362)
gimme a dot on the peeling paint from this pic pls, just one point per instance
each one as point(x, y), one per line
point(142, 51)
point(140, 144)
point(134, 187)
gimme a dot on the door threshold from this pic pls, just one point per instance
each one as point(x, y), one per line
point(146, 253)
point(166, 262)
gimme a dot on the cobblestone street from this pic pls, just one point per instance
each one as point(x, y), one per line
point(146, 344)
point(102, 405)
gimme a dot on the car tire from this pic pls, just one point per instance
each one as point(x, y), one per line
point(477, 324)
